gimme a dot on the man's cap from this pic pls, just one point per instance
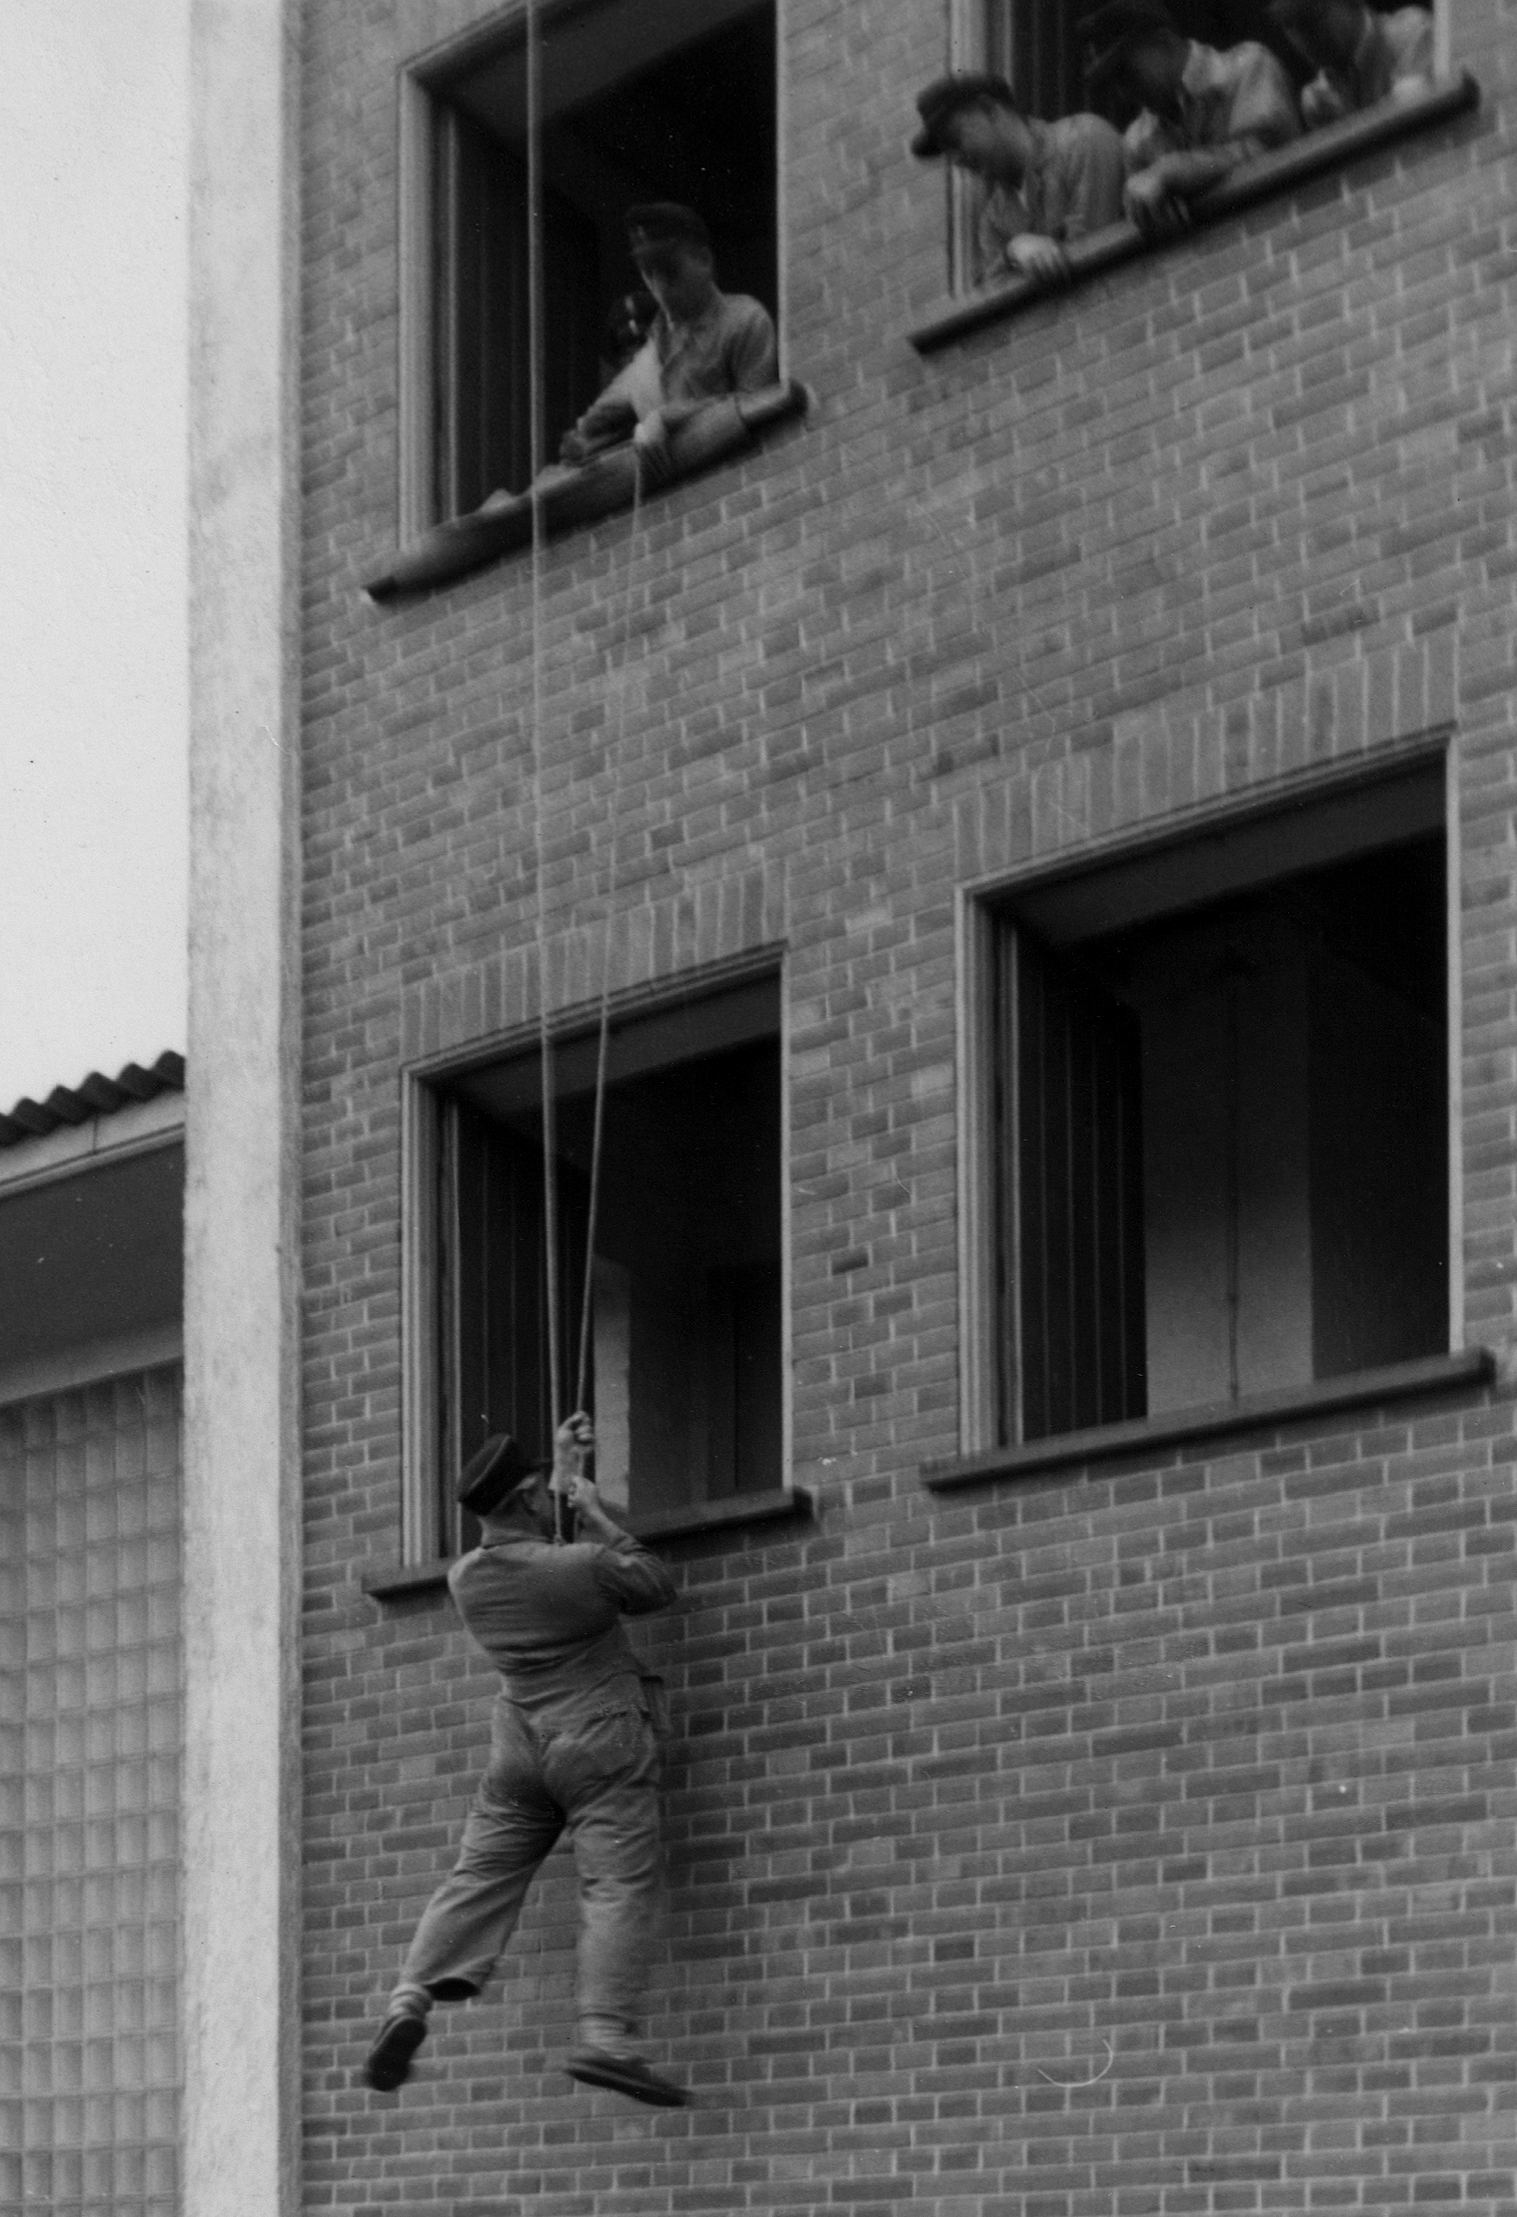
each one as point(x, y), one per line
point(1111, 31)
point(656, 222)
point(498, 1469)
point(945, 96)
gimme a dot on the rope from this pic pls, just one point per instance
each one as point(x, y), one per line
point(535, 442)
point(535, 340)
point(603, 1042)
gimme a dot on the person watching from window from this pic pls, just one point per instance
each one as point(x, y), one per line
point(1202, 112)
point(701, 383)
point(1045, 184)
point(703, 345)
point(1361, 58)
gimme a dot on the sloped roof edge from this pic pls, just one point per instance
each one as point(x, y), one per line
point(95, 1095)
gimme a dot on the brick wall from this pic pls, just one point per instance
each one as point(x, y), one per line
point(90, 1686)
point(1191, 1776)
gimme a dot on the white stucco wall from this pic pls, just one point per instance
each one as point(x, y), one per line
point(94, 118)
point(241, 1773)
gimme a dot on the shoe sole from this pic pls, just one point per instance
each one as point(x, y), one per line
point(389, 2060)
point(639, 2086)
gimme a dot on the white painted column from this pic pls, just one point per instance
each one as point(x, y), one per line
point(242, 1505)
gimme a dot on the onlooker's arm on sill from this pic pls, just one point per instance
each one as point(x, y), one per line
point(611, 419)
point(1158, 198)
point(1262, 111)
point(1260, 114)
point(1078, 190)
point(753, 359)
point(749, 363)
point(1008, 247)
point(1394, 62)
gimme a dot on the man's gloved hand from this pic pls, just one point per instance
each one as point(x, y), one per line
point(572, 1442)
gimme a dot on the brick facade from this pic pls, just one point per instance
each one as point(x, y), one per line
point(1187, 1776)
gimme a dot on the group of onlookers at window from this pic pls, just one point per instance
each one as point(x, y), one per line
point(1197, 113)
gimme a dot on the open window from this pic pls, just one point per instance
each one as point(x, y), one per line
point(1218, 1127)
point(685, 1369)
point(638, 104)
point(1037, 46)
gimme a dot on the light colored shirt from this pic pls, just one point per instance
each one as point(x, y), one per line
point(1237, 103)
point(1395, 53)
point(549, 1618)
point(728, 348)
point(1073, 186)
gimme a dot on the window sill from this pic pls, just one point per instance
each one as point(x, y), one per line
point(1306, 157)
point(399, 1581)
point(1472, 1366)
point(723, 432)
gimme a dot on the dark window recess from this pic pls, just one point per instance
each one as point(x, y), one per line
point(1222, 1126)
point(685, 1377)
point(1069, 1118)
point(673, 103)
point(1036, 46)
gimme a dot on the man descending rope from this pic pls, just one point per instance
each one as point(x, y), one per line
point(572, 1746)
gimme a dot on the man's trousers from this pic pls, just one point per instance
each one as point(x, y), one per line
point(597, 1778)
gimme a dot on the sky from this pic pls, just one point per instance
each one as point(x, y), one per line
point(93, 537)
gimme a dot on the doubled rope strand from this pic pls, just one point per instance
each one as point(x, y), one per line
point(535, 442)
point(603, 1043)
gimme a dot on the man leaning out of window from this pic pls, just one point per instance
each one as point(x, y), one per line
point(1045, 183)
point(1361, 58)
point(1201, 112)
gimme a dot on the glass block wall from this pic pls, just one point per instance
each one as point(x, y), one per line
point(89, 1796)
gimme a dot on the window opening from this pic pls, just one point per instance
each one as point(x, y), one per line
point(685, 1343)
point(637, 106)
point(1221, 1118)
point(1196, 89)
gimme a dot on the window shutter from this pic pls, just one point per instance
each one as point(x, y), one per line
point(1070, 1207)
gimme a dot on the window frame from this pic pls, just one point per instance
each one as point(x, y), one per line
point(979, 908)
point(423, 1520)
point(416, 384)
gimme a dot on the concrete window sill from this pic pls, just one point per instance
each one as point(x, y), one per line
point(399, 1581)
point(1306, 157)
point(721, 434)
point(1260, 1412)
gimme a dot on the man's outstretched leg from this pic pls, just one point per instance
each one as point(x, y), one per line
point(466, 1924)
point(608, 1778)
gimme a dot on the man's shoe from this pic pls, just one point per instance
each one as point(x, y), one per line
point(626, 2074)
point(388, 2063)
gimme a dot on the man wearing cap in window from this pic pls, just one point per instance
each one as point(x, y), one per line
point(701, 384)
point(572, 1747)
point(1361, 58)
point(1045, 183)
point(704, 345)
point(1204, 112)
